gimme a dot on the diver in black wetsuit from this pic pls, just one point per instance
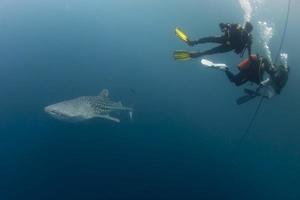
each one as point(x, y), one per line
point(279, 75)
point(253, 69)
point(235, 38)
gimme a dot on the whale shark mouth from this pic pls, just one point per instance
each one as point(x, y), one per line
point(56, 114)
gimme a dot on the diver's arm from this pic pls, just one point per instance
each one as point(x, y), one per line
point(268, 91)
point(249, 51)
point(265, 82)
point(249, 44)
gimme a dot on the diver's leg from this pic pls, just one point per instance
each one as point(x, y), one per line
point(211, 39)
point(219, 49)
point(238, 79)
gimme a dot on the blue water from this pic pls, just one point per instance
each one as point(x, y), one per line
point(186, 123)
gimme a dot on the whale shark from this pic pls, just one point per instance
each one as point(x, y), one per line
point(88, 107)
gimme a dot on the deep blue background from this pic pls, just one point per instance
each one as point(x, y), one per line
point(186, 123)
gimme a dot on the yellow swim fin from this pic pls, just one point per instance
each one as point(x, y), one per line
point(182, 55)
point(181, 34)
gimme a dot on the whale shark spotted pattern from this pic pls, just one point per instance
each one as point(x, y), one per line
point(87, 107)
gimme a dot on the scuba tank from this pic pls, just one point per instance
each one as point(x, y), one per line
point(245, 64)
point(253, 68)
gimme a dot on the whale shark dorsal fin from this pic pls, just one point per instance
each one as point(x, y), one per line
point(104, 93)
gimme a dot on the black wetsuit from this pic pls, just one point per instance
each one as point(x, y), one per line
point(279, 76)
point(253, 74)
point(235, 38)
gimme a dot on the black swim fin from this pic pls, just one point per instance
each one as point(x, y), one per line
point(250, 94)
point(245, 99)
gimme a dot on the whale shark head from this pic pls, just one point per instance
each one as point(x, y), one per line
point(78, 109)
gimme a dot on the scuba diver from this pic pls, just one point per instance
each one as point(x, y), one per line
point(278, 77)
point(235, 38)
point(249, 70)
point(252, 70)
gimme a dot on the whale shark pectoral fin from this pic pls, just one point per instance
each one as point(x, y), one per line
point(109, 118)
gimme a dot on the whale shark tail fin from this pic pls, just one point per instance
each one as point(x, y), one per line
point(131, 115)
